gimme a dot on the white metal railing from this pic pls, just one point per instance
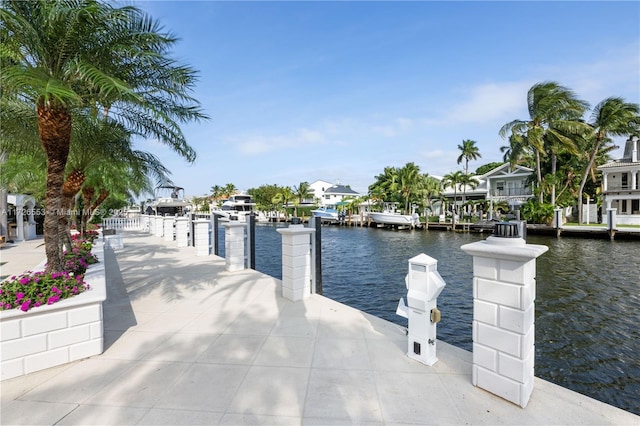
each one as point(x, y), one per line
point(125, 223)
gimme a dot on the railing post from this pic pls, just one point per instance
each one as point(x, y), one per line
point(216, 248)
point(504, 291)
point(251, 237)
point(318, 254)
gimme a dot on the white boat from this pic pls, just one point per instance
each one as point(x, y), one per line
point(326, 214)
point(169, 201)
point(237, 207)
point(389, 216)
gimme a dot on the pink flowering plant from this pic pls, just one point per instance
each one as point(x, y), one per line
point(33, 289)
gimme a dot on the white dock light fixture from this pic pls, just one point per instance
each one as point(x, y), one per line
point(424, 285)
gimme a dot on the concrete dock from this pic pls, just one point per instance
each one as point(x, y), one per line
point(187, 342)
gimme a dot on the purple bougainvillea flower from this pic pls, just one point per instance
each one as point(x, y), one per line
point(25, 305)
point(52, 300)
point(19, 296)
point(25, 280)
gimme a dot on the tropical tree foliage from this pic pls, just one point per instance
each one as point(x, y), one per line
point(554, 119)
point(60, 57)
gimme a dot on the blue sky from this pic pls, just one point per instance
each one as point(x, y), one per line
point(300, 91)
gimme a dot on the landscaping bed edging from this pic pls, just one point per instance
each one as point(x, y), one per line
point(52, 335)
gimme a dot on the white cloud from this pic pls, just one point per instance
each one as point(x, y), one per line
point(488, 102)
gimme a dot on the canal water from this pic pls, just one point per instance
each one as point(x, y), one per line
point(587, 301)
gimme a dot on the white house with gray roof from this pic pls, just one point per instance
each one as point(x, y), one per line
point(621, 185)
point(327, 193)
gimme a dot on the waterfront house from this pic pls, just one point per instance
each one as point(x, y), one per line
point(621, 185)
point(327, 193)
point(504, 184)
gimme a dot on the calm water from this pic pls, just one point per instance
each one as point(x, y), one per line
point(587, 303)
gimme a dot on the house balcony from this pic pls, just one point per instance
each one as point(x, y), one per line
point(511, 192)
point(617, 189)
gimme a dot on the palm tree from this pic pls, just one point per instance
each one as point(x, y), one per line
point(467, 181)
point(611, 117)
point(228, 190)
point(408, 182)
point(453, 180)
point(468, 151)
point(554, 113)
point(431, 189)
point(287, 195)
point(302, 191)
point(382, 188)
point(65, 56)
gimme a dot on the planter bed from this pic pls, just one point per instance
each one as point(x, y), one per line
point(51, 335)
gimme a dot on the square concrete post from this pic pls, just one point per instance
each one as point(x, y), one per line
point(152, 224)
point(159, 231)
point(182, 231)
point(144, 223)
point(168, 227)
point(234, 252)
point(296, 262)
point(504, 290)
point(201, 237)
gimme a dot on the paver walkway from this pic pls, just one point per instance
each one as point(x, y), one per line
point(188, 343)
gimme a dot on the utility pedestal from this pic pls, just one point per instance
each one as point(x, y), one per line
point(424, 285)
point(296, 262)
point(504, 290)
point(234, 251)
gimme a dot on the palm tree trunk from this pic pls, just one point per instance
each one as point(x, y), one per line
point(583, 182)
point(70, 188)
point(54, 126)
point(87, 196)
point(539, 173)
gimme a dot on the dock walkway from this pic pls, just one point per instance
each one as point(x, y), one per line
point(188, 343)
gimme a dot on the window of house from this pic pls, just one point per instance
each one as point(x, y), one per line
point(500, 185)
point(625, 180)
point(624, 206)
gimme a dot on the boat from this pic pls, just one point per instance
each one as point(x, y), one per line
point(326, 214)
point(169, 201)
point(390, 217)
point(237, 207)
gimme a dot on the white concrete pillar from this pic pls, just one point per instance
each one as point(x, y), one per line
point(144, 223)
point(159, 231)
point(152, 224)
point(234, 251)
point(504, 290)
point(201, 237)
point(296, 262)
point(182, 231)
point(169, 222)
